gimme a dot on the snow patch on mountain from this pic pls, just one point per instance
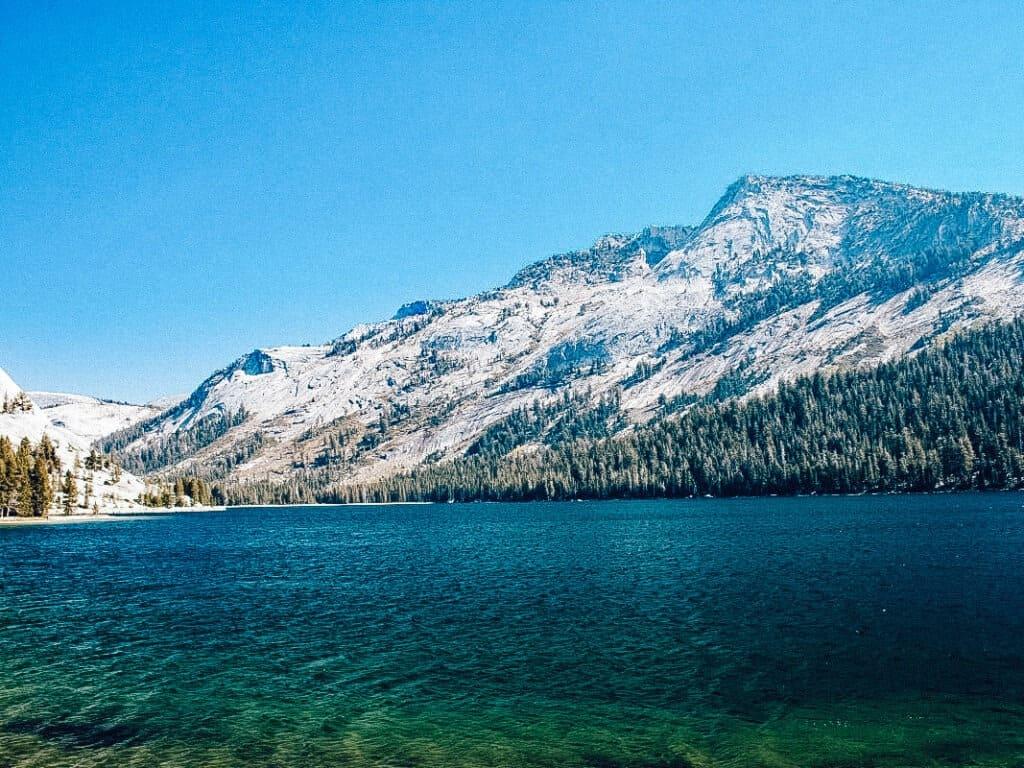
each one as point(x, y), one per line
point(88, 417)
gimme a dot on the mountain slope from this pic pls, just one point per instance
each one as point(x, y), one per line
point(784, 277)
point(950, 418)
point(88, 417)
point(23, 418)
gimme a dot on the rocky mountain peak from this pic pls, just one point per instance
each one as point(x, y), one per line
point(823, 219)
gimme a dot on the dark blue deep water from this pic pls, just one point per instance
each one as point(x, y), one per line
point(870, 631)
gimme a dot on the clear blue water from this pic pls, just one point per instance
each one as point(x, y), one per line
point(869, 631)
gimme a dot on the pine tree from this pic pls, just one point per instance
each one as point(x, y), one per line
point(41, 491)
point(9, 478)
point(70, 491)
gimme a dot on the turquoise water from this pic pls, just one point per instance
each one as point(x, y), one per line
point(880, 631)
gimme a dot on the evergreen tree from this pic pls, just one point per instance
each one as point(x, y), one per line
point(88, 486)
point(70, 491)
point(40, 490)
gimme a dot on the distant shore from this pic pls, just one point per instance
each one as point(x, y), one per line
point(106, 515)
point(335, 504)
point(123, 513)
point(57, 519)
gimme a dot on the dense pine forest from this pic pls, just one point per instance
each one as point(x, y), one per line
point(34, 483)
point(947, 418)
point(180, 492)
point(167, 451)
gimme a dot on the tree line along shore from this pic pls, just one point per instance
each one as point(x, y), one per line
point(35, 483)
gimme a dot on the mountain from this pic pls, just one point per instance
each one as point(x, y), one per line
point(784, 277)
point(21, 417)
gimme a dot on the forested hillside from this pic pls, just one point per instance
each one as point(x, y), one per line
point(33, 479)
point(949, 417)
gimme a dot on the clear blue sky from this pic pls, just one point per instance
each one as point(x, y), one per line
point(182, 182)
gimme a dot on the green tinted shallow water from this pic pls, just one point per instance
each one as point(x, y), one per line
point(882, 631)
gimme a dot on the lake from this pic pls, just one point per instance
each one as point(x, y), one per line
point(869, 631)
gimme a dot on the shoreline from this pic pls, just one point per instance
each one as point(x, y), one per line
point(58, 519)
point(336, 504)
point(107, 515)
point(148, 511)
point(111, 514)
